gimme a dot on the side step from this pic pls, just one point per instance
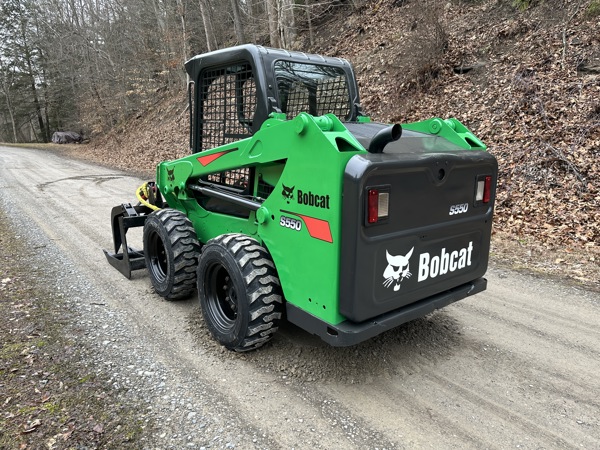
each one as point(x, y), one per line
point(122, 218)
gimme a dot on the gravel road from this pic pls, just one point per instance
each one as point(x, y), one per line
point(515, 367)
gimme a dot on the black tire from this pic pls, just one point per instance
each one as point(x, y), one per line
point(171, 250)
point(239, 292)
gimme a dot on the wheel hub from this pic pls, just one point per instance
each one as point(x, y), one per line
point(230, 296)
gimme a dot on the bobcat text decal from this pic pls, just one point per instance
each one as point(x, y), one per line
point(430, 266)
point(446, 262)
point(310, 199)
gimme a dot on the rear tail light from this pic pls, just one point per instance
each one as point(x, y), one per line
point(484, 189)
point(487, 189)
point(378, 204)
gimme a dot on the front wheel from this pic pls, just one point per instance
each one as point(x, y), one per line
point(239, 292)
point(171, 251)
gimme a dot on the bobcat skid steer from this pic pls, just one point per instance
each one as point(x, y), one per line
point(294, 203)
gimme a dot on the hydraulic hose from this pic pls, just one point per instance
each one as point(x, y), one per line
point(142, 195)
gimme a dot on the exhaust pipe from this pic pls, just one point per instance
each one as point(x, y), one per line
point(384, 137)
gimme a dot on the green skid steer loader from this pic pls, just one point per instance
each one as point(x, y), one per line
point(294, 203)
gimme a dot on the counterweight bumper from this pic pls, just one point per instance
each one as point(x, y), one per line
point(351, 333)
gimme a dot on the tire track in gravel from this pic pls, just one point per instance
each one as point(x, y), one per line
point(553, 314)
point(397, 409)
point(521, 370)
point(541, 321)
point(542, 338)
point(503, 415)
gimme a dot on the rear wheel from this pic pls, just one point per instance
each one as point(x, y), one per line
point(171, 250)
point(239, 292)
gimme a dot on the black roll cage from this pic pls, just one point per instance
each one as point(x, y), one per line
point(261, 61)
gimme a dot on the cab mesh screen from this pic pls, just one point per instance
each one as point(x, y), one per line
point(312, 88)
point(227, 109)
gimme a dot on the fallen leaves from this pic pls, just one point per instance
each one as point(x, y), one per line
point(528, 103)
point(32, 426)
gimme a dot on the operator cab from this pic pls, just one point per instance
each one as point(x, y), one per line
point(233, 91)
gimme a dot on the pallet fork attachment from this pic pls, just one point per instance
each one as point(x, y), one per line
point(124, 217)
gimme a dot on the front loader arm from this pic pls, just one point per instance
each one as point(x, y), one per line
point(277, 140)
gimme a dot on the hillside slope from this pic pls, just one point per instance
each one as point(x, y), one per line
point(526, 82)
point(523, 90)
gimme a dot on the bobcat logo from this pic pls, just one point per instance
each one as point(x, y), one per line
point(397, 269)
point(171, 174)
point(288, 192)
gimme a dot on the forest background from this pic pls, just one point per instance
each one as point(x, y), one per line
point(523, 75)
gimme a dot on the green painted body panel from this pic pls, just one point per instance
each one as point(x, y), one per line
point(303, 155)
point(450, 129)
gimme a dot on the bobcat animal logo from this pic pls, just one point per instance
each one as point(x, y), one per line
point(288, 192)
point(171, 174)
point(397, 269)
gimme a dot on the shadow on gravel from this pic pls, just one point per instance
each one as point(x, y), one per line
point(296, 356)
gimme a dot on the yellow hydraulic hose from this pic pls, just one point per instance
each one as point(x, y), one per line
point(142, 192)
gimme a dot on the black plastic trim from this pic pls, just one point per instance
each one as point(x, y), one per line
point(221, 195)
point(351, 333)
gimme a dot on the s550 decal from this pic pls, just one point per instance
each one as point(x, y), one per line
point(459, 209)
point(288, 222)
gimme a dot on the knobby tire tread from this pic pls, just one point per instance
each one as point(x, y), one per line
point(185, 247)
point(263, 288)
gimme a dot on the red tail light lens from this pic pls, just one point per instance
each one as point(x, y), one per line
point(373, 206)
point(378, 204)
point(487, 189)
point(483, 192)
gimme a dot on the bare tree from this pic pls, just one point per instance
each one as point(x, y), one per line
point(21, 56)
point(273, 20)
point(7, 67)
point(6, 80)
point(311, 32)
point(205, 10)
point(286, 23)
point(237, 22)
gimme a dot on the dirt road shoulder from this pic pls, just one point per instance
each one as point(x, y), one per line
point(52, 397)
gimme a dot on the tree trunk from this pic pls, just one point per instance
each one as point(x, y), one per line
point(211, 41)
point(162, 25)
point(237, 22)
point(311, 32)
point(287, 23)
point(5, 84)
point(11, 114)
point(184, 38)
point(273, 19)
point(34, 92)
point(256, 13)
